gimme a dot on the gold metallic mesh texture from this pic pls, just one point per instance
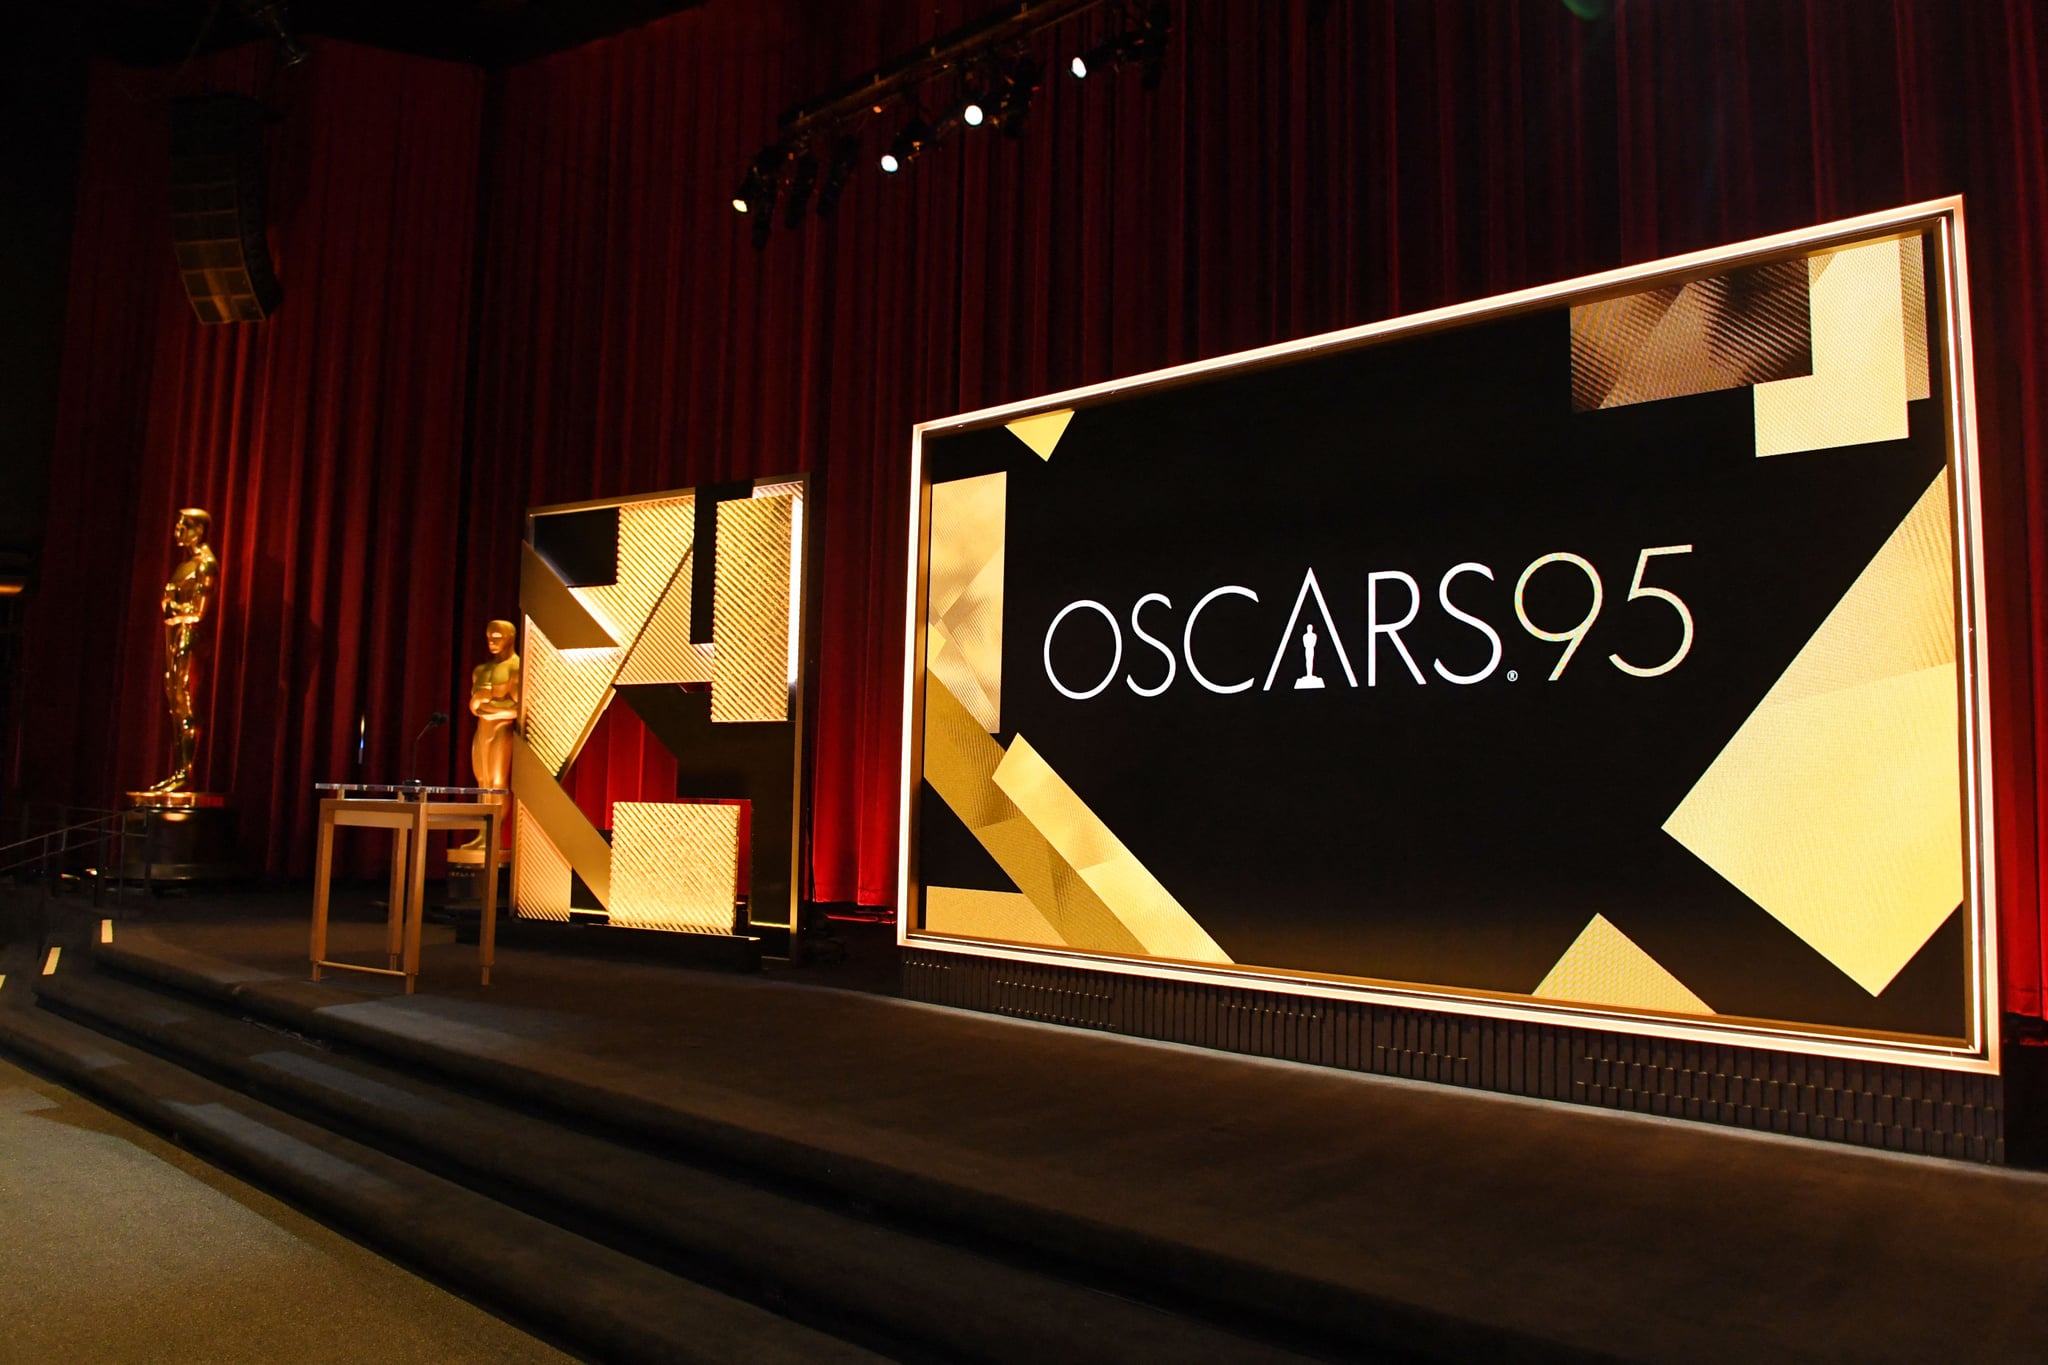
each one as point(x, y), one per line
point(1837, 806)
point(564, 692)
point(653, 538)
point(1158, 921)
point(674, 865)
point(1605, 967)
point(964, 600)
point(1089, 891)
point(1913, 283)
point(568, 829)
point(751, 667)
point(540, 874)
point(1857, 391)
point(663, 653)
point(545, 599)
point(1042, 433)
point(1724, 332)
point(1006, 915)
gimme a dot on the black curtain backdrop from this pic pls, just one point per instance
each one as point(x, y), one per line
point(1304, 166)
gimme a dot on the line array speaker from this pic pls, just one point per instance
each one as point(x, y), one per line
point(217, 208)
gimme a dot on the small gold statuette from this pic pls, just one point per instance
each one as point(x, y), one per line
point(494, 701)
point(187, 596)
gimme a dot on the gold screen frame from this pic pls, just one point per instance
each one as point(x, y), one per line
point(1942, 221)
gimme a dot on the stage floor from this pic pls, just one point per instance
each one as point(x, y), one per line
point(1617, 1234)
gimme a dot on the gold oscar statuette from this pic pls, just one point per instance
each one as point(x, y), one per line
point(494, 701)
point(186, 599)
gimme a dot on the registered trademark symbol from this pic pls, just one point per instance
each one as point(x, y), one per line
point(1512, 675)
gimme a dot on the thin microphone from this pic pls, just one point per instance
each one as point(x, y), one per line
point(434, 722)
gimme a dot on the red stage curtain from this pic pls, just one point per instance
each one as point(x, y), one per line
point(326, 442)
point(1304, 166)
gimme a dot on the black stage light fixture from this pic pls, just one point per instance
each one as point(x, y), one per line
point(803, 178)
point(1143, 46)
point(1014, 91)
point(269, 15)
point(845, 156)
point(909, 144)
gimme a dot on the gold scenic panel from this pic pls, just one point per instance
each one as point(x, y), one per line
point(964, 609)
point(565, 692)
point(751, 610)
point(1836, 806)
point(1605, 967)
point(568, 829)
point(1042, 433)
point(664, 652)
point(653, 538)
point(1858, 389)
point(540, 874)
point(674, 865)
point(1724, 332)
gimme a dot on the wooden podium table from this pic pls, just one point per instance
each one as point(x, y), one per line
point(410, 813)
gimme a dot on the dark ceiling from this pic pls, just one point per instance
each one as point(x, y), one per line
point(487, 32)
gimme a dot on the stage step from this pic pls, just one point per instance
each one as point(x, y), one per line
point(905, 1295)
point(620, 1308)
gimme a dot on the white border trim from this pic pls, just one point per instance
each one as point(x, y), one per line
point(1981, 1054)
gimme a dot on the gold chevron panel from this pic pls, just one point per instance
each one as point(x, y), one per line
point(565, 692)
point(540, 874)
point(653, 538)
point(1857, 391)
point(664, 653)
point(567, 828)
point(674, 865)
point(1042, 433)
point(1007, 915)
point(1749, 326)
point(752, 666)
point(1112, 871)
point(1837, 806)
point(960, 760)
point(964, 611)
point(1605, 967)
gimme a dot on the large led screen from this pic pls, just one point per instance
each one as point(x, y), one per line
point(1606, 652)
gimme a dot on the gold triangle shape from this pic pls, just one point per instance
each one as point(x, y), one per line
point(1605, 967)
point(1042, 433)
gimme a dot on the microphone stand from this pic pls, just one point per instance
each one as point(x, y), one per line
point(434, 722)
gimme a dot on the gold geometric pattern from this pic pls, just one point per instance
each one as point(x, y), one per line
point(540, 874)
point(563, 821)
point(547, 600)
point(1042, 433)
point(565, 694)
point(674, 865)
point(653, 538)
point(1857, 391)
point(1837, 806)
point(1605, 967)
point(1086, 887)
point(664, 653)
point(1913, 284)
point(1007, 915)
point(752, 617)
point(960, 763)
point(1746, 327)
point(964, 612)
point(1133, 894)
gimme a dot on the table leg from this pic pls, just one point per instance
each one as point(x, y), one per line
point(487, 933)
point(394, 919)
point(416, 898)
point(323, 869)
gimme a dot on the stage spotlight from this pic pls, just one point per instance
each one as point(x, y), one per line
point(910, 142)
point(845, 156)
point(756, 196)
point(1079, 66)
point(803, 178)
point(972, 114)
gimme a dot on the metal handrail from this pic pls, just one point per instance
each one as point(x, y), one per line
point(103, 821)
point(49, 850)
